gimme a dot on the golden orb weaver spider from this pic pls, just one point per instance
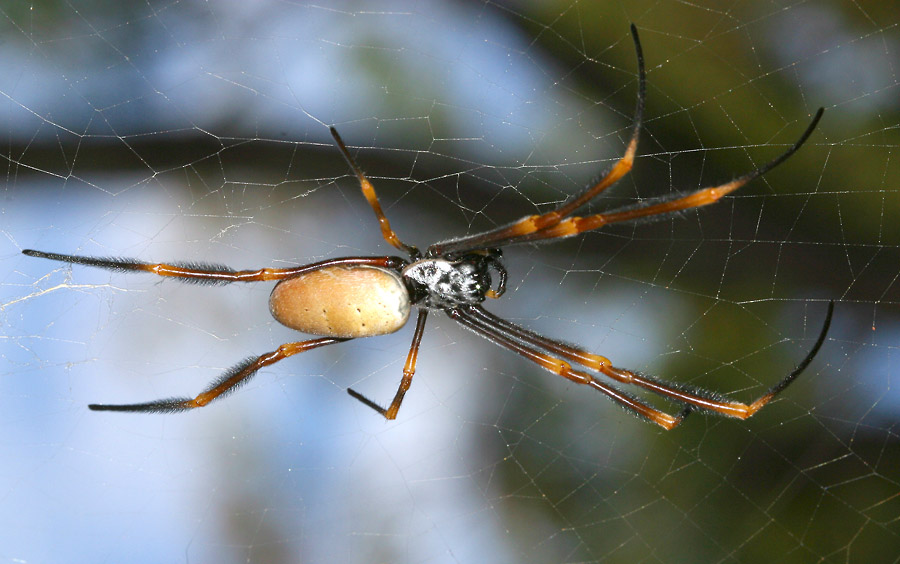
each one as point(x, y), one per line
point(351, 297)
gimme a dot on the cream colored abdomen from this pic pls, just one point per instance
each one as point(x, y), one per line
point(342, 301)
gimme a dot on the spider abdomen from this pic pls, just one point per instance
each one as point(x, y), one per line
point(342, 301)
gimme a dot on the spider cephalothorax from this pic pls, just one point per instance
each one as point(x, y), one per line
point(440, 282)
point(353, 297)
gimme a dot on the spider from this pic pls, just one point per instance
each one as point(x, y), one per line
point(351, 297)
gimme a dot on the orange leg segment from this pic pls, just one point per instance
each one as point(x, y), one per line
point(575, 225)
point(409, 369)
point(226, 383)
point(467, 317)
point(527, 343)
point(537, 223)
point(369, 192)
point(200, 273)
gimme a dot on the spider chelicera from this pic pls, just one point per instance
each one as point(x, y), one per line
point(351, 297)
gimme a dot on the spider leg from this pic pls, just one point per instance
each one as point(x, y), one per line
point(467, 317)
point(696, 398)
point(201, 273)
point(575, 225)
point(224, 385)
point(511, 233)
point(409, 369)
point(369, 192)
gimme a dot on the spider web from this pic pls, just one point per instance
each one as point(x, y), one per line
point(197, 131)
